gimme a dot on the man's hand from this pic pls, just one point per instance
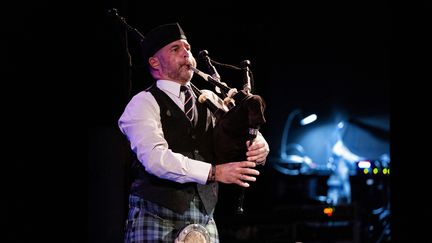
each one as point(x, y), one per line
point(236, 172)
point(258, 151)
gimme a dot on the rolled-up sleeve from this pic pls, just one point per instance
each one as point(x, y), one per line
point(141, 124)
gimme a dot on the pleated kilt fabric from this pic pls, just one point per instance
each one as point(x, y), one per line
point(149, 222)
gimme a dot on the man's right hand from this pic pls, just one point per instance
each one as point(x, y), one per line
point(236, 172)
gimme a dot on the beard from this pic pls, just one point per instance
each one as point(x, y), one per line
point(180, 72)
point(183, 74)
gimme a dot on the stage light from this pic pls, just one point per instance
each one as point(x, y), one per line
point(289, 121)
point(329, 211)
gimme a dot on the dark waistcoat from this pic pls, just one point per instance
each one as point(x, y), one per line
point(193, 142)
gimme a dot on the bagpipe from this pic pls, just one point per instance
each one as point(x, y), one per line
point(238, 117)
point(237, 122)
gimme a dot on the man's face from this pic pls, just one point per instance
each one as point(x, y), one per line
point(174, 60)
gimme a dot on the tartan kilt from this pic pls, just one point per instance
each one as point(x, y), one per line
point(149, 222)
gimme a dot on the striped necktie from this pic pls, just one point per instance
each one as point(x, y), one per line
point(188, 104)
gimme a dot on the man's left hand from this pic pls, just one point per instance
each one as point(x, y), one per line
point(258, 151)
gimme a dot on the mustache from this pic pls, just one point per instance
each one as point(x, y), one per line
point(191, 63)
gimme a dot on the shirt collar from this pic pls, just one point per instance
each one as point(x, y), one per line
point(170, 86)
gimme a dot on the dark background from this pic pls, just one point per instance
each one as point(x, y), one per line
point(68, 64)
point(314, 55)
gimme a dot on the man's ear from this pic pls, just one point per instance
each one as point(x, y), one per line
point(154, 62)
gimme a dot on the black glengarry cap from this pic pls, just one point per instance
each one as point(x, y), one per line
point(161, 36)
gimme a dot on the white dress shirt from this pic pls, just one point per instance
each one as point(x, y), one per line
point(141, 123)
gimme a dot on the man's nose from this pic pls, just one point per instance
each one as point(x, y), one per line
point(186, 53)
